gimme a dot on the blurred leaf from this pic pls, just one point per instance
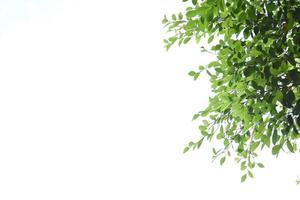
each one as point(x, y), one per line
point(243, 178)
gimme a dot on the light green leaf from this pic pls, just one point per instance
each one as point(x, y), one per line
point(174, 17)
point(186, 149)
point(254, 146)
point(250, 174)
point(260, 165)
point(199, 143)
point(222, 160)
point(195, 116)
point(243, 178)
point(192, 73)
point(276, 149)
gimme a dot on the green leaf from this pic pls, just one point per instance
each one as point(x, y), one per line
point(220, 136)
point(214, 64)
point(196, 116)
point(210, 39)
point(186, 149)
point(174, 17)
point(192, 13)
point(288, 99)
point(271, 7)
point(180, 16)
point(260, 165)
point(192, 73)
point(266, 140)
point(251, 13)
point(186, 40)
point(254, 146)
point(208, 72)
point(222, 160)
point(199, 143)
point(243, 178)
point(276, 149)
point(194, 2)
point(214, 151)
point(196, 76)
point(290, 146)
point(251, 165)
point(275, 137)
point(250, 174)
point(242, 17)
point(201, 67)
point(246, 32)
point(243, 165)
point(165, 20)
point(221, 4)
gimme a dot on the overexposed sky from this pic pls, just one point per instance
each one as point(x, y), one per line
point(93, 107)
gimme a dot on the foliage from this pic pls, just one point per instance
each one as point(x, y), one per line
point(255, 78)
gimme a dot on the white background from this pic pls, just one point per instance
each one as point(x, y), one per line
point(93, 107)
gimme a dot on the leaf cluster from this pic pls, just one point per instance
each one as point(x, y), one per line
point(255, 78)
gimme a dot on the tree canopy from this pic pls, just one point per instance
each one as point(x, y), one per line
point(255, 78)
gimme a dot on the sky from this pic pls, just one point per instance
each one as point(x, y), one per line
point(93, 107)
